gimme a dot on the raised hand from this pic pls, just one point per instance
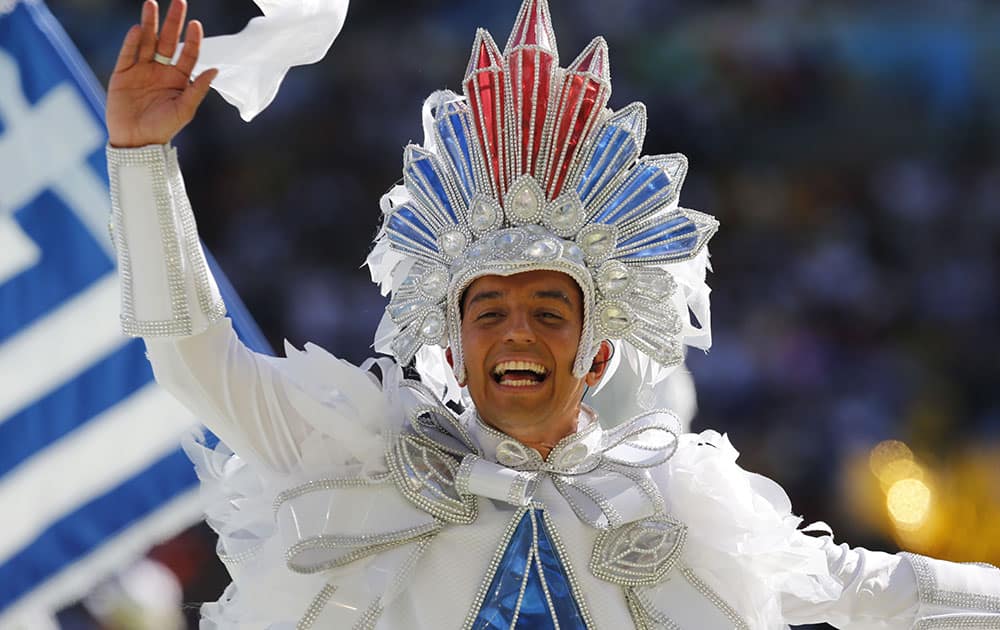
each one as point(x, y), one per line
point(149, 101)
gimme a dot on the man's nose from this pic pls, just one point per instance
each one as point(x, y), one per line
point(519, 329)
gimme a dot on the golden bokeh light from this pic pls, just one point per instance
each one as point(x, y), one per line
point(899, 470)
point(949, 509)
point(887, 453)
point(909, 502)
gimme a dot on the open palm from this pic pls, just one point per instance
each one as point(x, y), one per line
point(149, 101)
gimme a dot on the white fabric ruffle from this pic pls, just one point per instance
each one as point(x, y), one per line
point(344, 442)
point(362, 408)
point(264, 594)
point(743, 539)
point(253, 63)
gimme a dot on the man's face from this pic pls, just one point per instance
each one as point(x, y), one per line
point(520, 335)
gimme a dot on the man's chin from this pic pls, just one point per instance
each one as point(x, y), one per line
point(509, 417)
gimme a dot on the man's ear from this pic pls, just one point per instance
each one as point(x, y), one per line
point(600, 364)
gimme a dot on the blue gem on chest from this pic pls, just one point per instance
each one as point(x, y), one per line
point(530, 588)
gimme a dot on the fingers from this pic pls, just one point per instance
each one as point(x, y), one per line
point(171, 32)
point(192, 47)
point(150, 22)
point(195, 93)
point(126, 57)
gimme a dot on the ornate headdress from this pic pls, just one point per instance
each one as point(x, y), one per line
point(530, 171)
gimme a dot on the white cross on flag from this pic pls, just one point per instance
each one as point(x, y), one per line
point(91, 473)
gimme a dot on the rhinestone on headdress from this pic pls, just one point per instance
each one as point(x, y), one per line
point(531, 171)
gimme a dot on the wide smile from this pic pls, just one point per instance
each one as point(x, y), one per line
point(519, 374)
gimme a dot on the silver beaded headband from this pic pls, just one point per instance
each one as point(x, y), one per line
point(530, 171)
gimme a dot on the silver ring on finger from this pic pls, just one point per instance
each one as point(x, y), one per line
point(165, 60)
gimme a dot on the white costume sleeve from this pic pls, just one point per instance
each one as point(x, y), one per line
point(883, 591)
point(260, 406)
point(744, 541)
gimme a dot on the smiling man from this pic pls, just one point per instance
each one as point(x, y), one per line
point(520, 335)
point(527, 232)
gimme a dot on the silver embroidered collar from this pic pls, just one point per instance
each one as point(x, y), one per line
point(575, 453)
point(441, 462)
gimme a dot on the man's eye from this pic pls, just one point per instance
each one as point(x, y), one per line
point(488, 315)
point(550, 315)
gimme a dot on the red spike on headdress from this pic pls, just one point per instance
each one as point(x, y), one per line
point(585, 92)
point(531, 59)
point(484, 87)
point(533, 27)
point(593, 60)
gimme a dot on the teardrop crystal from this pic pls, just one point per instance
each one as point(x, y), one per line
point(614, 318)
point(432, 326)
point(453, 243)
point(597, 243)
point(483, 215)
point(434, 283)
point(565, 215)
point(525, 203)
point(614, 279)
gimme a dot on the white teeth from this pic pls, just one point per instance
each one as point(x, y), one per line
point(528, 366)
point(519, 383)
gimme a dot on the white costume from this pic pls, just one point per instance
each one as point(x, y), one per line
point(360, 500)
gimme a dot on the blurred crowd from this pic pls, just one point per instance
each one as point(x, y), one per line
point(849, 150)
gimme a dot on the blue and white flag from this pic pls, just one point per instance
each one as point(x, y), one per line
point(91, 473)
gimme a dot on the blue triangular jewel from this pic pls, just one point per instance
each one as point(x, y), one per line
point(531, 563)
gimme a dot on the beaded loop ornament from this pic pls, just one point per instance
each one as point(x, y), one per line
point(531, 171)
